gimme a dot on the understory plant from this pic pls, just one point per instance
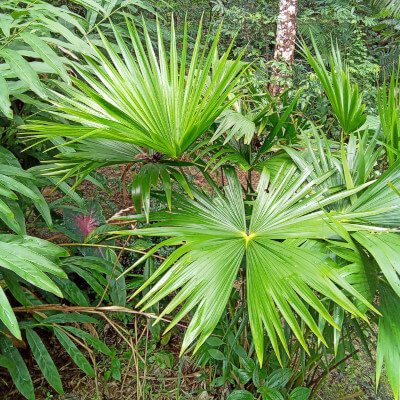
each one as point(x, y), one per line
point(276, 272)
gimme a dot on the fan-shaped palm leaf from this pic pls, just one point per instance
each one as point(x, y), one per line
point(150, 98)
point(391, 6)
point(216, 239)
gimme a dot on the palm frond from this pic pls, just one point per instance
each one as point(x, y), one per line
point(151, 99)
point(216, 239)
point(388, 6)
point(343, 95)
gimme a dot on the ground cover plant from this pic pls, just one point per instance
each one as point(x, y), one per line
point(171, 229)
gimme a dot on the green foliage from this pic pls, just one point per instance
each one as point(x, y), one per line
point(15, 180)
point(392, 6)
point(275, 284)
point(342, 94)
point(388, 339)
point(28, 46)
point(389, 114)
point(147, 100)
point(217, 238)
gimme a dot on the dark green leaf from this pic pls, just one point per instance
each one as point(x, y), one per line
point(300, 393)
point(279, 378)
point(17, 369)
point(44, 360)
point(74, 352)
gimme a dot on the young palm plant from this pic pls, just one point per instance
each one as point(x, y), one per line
point(389, 114)
point(374, 266)
point(265, 237)
point(156, 99)
point(342, 93)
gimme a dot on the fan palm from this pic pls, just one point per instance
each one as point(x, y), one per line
point(343, 95)
point(390, 6)
point(128, 106)
point(355, 166)
point(389, 114)
point(151, 98)
point(217, 240)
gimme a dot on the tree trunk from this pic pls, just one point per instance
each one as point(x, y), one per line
point(285, 44)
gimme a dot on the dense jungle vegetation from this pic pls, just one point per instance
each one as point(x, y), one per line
point(199, 199)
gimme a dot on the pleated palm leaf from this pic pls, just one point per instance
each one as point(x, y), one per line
point(342, 93)
point(217, 240)
point(354, 164)
point(152, 98)
point(390, 7)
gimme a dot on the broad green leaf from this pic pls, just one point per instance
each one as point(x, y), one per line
point(76, 355)
point(7, 315)
point(24, 71)
point(72, 292)
point(6, 362)
point(279, 378)
point(300, 393)
point(216, 354)
point(70, 318)
point(388, 349)
point(116, 369)
point(5, 104)
point(47, 54)
point(214, 341)
point(91, 340)
point(31, 259)
point(17, 368)
point(44, 360)
point(240, 395)
point(270, 394)
point(385, 248)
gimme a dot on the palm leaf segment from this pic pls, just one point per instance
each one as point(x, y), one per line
point(216, 241)
point(343, 95)
point(353, 166)
point(147, 98)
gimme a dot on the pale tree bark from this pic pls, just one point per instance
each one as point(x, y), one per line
point(285, 44)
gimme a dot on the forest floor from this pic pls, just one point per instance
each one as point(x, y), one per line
point(150, 369)
point(160, 379)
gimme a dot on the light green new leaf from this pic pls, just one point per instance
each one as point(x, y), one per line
point(281, 278)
